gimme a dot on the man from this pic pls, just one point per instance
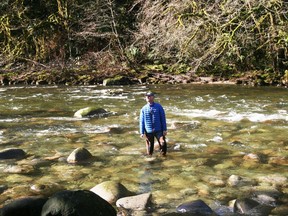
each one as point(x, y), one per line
point(153, 124)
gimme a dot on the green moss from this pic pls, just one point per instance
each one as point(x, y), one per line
point(160, 67)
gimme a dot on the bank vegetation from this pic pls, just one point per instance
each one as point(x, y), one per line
point(86, 41)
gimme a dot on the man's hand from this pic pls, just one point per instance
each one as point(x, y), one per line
point(164, 133)
point(142, 135)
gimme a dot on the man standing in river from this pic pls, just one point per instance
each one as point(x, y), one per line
point(153, 124)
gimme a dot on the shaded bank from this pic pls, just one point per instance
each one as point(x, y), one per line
point(125, 76)
point(85, 41)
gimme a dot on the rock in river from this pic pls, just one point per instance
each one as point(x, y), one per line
point(90, 112)
point(28, 206)
point(79, 202)
point(79, 155)
point(197, 207)
point(249, 206)
point(19, 169)
point(138, 202)
point(111, 191)
point(12, 153)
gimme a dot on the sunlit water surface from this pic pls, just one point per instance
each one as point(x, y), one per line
point(210, 129)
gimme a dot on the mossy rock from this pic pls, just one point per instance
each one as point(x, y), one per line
point(111, 191)
point(90, 112)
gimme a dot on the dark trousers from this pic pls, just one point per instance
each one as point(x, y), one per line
point(150, 142)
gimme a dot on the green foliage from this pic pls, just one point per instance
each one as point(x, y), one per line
point(29, 32)
point(217, 38)
point(179, 68)
point(56, 30)
point(133, 53)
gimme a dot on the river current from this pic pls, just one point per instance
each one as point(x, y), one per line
point(210, 130)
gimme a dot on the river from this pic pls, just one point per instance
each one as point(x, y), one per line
point(210, 130)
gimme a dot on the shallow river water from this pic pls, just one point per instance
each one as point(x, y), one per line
point(211, 128)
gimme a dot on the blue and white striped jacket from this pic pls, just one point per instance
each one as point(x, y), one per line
point(152, 118)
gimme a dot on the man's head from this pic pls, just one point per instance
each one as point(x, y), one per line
point(149, 96)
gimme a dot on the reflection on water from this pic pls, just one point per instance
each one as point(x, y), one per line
point(211, 129)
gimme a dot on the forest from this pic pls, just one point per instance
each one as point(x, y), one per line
point(86, 41)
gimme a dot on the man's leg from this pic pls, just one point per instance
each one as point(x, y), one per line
point(162, 143)
point(149, 143)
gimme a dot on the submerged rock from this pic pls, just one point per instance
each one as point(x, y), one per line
point(3, 188)
point(46, 189)
point(197, 207)
point(187, 126)
point(278, 160)
point(79, 155)
point(16, 192)
point(217, 150)
point(280, 210)
point(252, 157)
point(79, 202)
point(274, 179)
point(111, 191)
point(238, 181)
point(90, 112)
point(266, 190)
point(19, 169)
point(214, 180)
point(12, 153)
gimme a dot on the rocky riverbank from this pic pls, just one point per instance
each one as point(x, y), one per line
point(127, 77)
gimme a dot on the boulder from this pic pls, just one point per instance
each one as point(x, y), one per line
point(249, 206)
point(244, 205)
point(79, 155)
point(196, 207)
point(28, 206)
point(78, 202)
point(138, 202)
point(91, 112)
point(111, 191)
point(12, 153)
